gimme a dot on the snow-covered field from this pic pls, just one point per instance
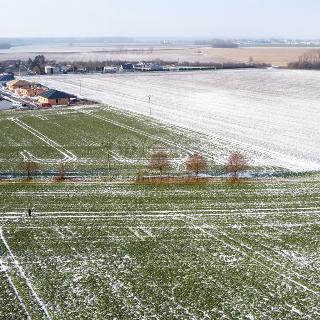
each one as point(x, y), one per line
point(97, 249)
point(62, 52)
point(127, 52)
point(273, 115)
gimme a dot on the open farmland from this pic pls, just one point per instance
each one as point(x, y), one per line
point(106, 251)
point(279, 56)
point(78, 138)
point(121, 250)
point(276, 56)
point(273, 115)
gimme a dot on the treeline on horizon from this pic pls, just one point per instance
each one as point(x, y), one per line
point(218, 43)
point(309, 61)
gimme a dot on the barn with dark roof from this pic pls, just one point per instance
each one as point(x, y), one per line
point(55, 97)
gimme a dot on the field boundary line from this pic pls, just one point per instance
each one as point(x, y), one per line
point(23, 275)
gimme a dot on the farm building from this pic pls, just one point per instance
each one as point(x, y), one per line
point(154, 67)
point(18, 84)
point(139, 66)
point(127, 67)
point(110, 69)
point(55, 97)
point(51, 70)
point(149, 66)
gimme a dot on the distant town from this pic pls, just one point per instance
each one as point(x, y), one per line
point(20, 94)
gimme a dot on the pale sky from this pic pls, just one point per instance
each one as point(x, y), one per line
point(162, 18)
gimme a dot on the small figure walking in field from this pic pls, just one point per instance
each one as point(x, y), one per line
point(29, 212)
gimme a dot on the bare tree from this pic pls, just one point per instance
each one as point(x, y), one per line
point(309, 60)
point(236, 163)
point(159, 161)
point(196, 163)
point(29, 167)
point(61, 174)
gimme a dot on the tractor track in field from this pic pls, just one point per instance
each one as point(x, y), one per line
point(22, 274)
point(68, 155)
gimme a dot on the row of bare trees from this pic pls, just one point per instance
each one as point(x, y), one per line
point(30, 167)
point(160, 161)
point(197, 163)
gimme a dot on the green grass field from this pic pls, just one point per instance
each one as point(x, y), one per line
point(121, 250)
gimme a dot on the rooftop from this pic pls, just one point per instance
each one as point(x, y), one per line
point(55, 94)
point(6, 77)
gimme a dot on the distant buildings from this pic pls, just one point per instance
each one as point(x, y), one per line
point(127, 67)
point(155, 67)
point(110, 70)
point(67, 68)
point(123, 68)
point(51, 70)
point(148, 66)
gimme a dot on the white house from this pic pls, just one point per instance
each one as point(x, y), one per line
point(110, 69)
point(51, 70)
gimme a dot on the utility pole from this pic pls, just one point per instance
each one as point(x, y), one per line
point(108, 147)
point(149, 99)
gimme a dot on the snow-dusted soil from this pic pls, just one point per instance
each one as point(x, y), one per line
point(101, 261)
point(123, 251)
point(273, 115)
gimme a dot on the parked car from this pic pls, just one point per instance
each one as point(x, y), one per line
point(46, 105)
